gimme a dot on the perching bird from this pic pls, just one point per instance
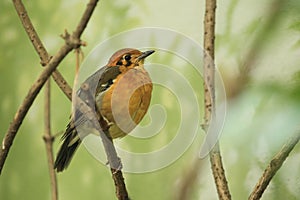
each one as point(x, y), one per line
point(119, 92)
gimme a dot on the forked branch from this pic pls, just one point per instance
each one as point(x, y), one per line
point(72, 41)
point(43, 77)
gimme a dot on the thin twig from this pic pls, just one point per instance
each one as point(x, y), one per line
point(49, 139)
point(77, 63)
point(273, 167)
point(72, 42)
point(209, 101)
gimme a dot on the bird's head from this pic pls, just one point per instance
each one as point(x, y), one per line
point(129, 58)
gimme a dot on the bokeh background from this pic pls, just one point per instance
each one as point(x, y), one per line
point(260, 117)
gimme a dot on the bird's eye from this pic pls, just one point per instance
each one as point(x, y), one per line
point(127, 57)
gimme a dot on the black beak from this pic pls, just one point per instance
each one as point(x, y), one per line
point(145, 54)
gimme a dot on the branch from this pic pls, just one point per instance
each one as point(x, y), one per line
point(90, 7)
point(62, 84)
point(32, 34)
point(71, 43)
point(27, 102)
point(103, 130)
point(273, 167)
point(39, 46)
point(111, 153)
point(49, 139)
point(219, 173)
point(209, 101)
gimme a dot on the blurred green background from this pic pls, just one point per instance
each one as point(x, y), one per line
point(260, 118)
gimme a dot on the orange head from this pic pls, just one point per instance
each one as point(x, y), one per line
point(129, 58)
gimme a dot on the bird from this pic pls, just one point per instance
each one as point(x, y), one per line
point(120, 93)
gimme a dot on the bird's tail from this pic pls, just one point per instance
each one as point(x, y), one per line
point(71, 141)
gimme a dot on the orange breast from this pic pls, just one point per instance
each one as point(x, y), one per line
point(126, 102)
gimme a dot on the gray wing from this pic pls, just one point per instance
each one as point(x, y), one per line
point(98, 82)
